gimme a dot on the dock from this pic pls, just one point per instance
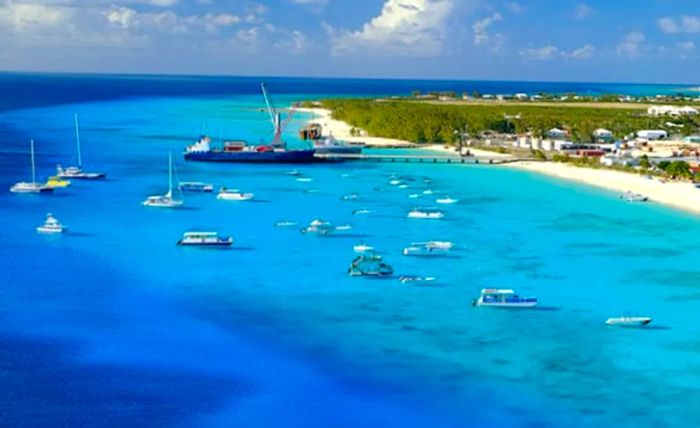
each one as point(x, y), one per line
point(420, 158)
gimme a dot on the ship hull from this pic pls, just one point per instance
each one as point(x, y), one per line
point(291, 156)
point(339, 150)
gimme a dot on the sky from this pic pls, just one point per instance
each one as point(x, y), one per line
point(546, 40)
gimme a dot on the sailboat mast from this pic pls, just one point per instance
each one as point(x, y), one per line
point(31, 144)
point(77, 141)
point(170, 173)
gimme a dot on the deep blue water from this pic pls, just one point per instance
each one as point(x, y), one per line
point(113, 325)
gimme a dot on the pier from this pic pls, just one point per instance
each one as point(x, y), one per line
point(420, 158)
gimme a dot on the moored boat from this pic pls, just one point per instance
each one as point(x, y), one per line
point(368, 264)
point(504, 298)
point(76, 172)
point(195, 186)
point(319, 227)
point(430, 248)
point(628, 321)
point(33, 186)
point(446, 200)
point(205, 239)
point(167, 200)
point(51, 226)
point(331, 146)
point(234, 195)
point(426, 213)
point(362, 248)
point(57, 182)
point(285, 223)
point(634, 197)
point(416, 279)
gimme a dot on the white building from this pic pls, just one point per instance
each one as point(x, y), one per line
point(602, 134)
point(694, 139)
point(671, 111)
point(652, 134)
point(557, 134)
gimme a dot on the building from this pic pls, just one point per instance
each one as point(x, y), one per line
point(652, 134)
point(557, 134)
point(610, 160)
point(692, 139)
point(671, 111)
point(602, 135)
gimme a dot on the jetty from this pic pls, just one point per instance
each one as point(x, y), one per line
point(426, 158)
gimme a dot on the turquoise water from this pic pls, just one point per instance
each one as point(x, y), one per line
point(114, 325)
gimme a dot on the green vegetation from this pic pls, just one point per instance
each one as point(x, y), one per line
point(423, 122)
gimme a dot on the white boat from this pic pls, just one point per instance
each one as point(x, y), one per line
point(76, 172)
point(285, 223)
point(343, 228)
point(430, 248)
point(403, 186)
point(428, 192)
point(350, 197)
point(205, 239)
point(361, 211)
point(51, 226)
point(319, 227)
point(362, 248)
point(293, 173)
point(427, 213)
point(395, 182)
point(167, 200)
point(634, 197)
point(234, 195)
point(195, 186)
point(446, 200)
point(33, 186)
point(414, 196)
point(504, 298)
point(628, 321)
point(419, 279)
point(305, 179)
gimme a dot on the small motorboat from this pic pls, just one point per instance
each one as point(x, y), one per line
point(205, 239)
point(285, 223)
point(414, 196)
point(362, 248)
point(195, 186)
point(430, 248)
point(350, 197)
point(418, 279)
point(428, 192)
point(293, 173)
point(305, 179)
point(504, 298)
point(361, 211)
point(51, 226)
point(57, 182)
point(233, 195)
point(395, 182)
point(634, 197)
point(446, 200)
point(368, 264)
point(343, 228)
point(312, 190)
point(319, 227)
point(403, 186)
point(628, 321)
point(426, 213)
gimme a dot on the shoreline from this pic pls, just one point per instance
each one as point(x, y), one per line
point(679, 195)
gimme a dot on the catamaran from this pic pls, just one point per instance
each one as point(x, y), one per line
point(77, 172)
point(205, 239)
point(167, 200)
point(33, 187)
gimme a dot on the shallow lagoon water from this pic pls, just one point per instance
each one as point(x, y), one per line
point(114, 325)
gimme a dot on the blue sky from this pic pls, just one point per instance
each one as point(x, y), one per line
point(596, 40)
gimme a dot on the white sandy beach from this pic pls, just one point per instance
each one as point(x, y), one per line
point(680, 195)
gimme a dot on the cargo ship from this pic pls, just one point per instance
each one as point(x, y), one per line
point(242, 152)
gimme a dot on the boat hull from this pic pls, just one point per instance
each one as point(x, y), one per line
point(338, 150)
point(291, 156)
point(208, 244)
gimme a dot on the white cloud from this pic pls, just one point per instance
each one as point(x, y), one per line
point(544, 53)
point(685, 24)
point(631, 45)
point(515, 8)
point(482, 35)
point(584, 52)
point(582, 11)
point(404, 27)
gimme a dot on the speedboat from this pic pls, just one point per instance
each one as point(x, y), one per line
point(319, 227)
point(350, 197)
point(362, 248)
point(634, 197)
point(367, 264)
point(504, 298)
point(33, 186)
point(167, 200)
point(234, 195)
point(430, 248)
point(57, 182)
point(361, 211)
point(76, 172)
point(51, 226)
point(419, 279)
point(446, 200)
point(628, 321)
point(285, 223)
point(427, 213)
point(205, 239)
point(195, 186)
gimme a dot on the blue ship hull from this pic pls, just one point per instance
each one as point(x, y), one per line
point(291, 156)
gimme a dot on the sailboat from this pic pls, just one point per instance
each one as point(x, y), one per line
point(33, 187)
point(167, 200)
point(77, 172)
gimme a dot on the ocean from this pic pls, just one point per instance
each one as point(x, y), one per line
point(113, 325)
